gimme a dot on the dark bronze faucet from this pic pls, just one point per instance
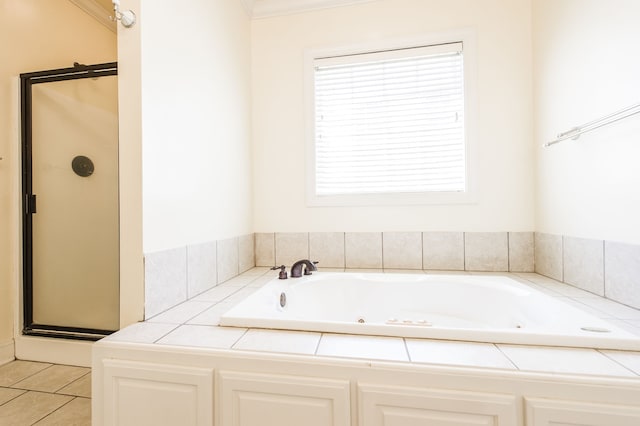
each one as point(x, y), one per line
point(283, 273)
point(296, 269)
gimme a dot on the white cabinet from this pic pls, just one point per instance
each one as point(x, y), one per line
point(547, 412)
point(403, 406)
point(134, 385)
point(140, 394)
point(250, 399)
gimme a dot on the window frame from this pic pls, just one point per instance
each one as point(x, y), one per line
point(467, 38)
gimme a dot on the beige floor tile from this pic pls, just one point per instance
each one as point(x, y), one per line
point(7, 394)
point(75, 413)
point(30, 407)
point(16, 371)
point(53, 378)
point(81, 387)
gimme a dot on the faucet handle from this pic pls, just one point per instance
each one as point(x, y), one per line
point(282, 275)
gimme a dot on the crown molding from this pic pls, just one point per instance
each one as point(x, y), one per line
point(97, 12)
point(269, 8)
point(248, 7)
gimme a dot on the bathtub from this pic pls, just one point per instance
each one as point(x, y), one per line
point(479, 308)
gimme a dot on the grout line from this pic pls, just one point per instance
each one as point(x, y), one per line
point(22, 392)
point(604, 270)
point(464, 251)
point(33, 374)
point(508, 251)
point(57, 409)
point(506, 356)
point(619, 363)
point(186, 271)
point(422, 251)
point(71, 382)
point(240, 338)
point(315, 352)
point(167, 333)
point(562, 258)
point(406, 348)
point(344, 249)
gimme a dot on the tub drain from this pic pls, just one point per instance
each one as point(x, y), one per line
point(361, 320)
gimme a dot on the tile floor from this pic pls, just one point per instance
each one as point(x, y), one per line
point(37, 393)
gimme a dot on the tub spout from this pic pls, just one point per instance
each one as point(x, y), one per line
point(296, 269)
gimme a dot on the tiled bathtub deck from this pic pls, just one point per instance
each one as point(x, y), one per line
point(195, 322)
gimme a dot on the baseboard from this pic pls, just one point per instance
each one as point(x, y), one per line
point(7, 352)
point(56, 351)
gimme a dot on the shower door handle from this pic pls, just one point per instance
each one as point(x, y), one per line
point(30, 204)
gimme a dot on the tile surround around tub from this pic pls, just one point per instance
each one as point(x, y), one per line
point(605, 268)
point(486, 251)
point(622, 273)
point(443, 251)
point(291, 247)
point(327, 248)
point(172, 276)
point(583, 264)
point(521, 248)
point(265, 249)
point(363, 249)
point(402, 250)
point(201, 268)
point(227, 259)
point(165, 280)
point(548, 255)
point(472, 251)
point(246, 252)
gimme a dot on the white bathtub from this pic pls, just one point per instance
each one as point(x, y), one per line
point(494, 309)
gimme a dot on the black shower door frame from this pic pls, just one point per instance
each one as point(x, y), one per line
point(29, 205)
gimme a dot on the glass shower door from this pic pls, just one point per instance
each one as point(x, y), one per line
point(72, 246)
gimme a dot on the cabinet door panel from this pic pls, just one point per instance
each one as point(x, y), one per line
point(248, 399)
point(140, 394)
point(546, 412)
point(399, 406)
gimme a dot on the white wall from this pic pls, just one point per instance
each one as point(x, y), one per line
point(195, 112)
point(504, 114)
point(586, 66)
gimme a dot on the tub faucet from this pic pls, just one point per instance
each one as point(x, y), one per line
point(296, 269)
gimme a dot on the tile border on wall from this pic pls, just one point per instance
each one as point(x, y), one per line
point(612, 267)
point(401, 250)
point(583, 264)
point(605, 268)
point(175, 275)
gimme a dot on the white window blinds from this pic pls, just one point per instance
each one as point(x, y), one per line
point(390, 122)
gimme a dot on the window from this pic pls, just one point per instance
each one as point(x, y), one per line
point(388, 123)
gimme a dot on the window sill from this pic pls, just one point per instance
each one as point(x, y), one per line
point(404, 199)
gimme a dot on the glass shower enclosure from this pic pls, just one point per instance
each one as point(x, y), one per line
point(70, 202)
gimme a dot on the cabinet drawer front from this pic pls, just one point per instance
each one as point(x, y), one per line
point(546, 412)
point(403, 406)
point(141, 393)
point(249, 399)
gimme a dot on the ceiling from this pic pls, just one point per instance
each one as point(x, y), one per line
point(266, 8)
point(102, 9)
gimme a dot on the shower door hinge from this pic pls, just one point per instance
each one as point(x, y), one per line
point(30, 203)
